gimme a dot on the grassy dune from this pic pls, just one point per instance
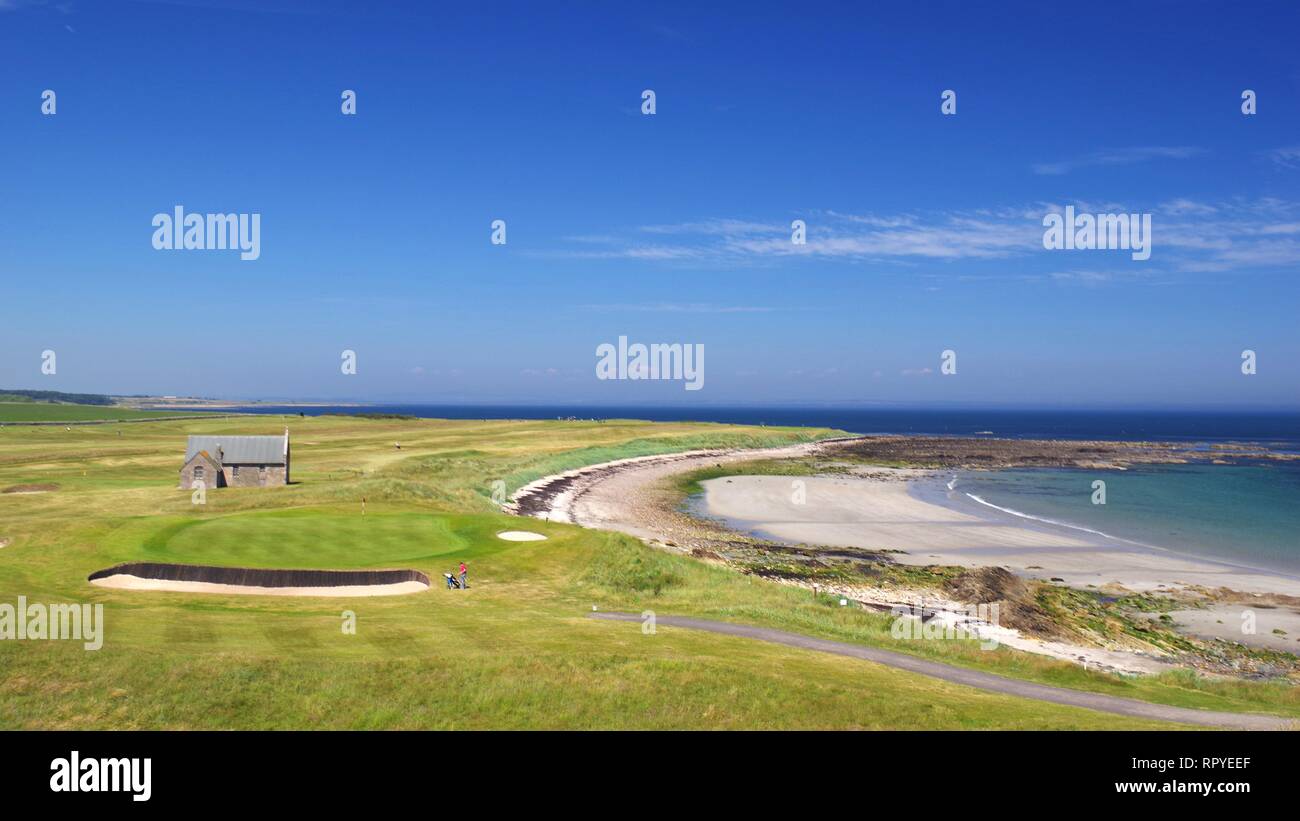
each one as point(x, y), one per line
point(515, 650)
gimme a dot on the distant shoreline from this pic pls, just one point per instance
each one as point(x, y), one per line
point(227, 405)
point(1278, 431)
point(1222, 434)
point(71, 422)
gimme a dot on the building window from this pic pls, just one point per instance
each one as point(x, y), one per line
point(234, 472)
point(198, 471)
point(261, 473)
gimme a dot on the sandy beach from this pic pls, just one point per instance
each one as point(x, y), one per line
point(1277, 628)
point(621, 495)
point(875, 513)
point(873, 510)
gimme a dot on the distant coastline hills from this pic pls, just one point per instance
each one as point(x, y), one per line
point(57, 397)
point(142, 401)
point(28, 397)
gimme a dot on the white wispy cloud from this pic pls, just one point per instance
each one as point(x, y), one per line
point(1188, 235)
point(1085, 277)
point(1232, 235)
point(957, 235)
point(1286, 157)
point(593, 239)
point(1119, 156)
point(681, 308)
point(1180, 206)
point(648, 252)
point(715, 227)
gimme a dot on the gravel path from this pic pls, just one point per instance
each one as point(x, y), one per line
point(978, 679)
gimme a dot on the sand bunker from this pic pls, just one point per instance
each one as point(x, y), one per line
point(190, 578)
point(521, 536)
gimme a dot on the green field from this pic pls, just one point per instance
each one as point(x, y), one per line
point(516, 650)
point(55, 412)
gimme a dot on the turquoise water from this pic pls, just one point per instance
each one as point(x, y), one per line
point(1246, 514)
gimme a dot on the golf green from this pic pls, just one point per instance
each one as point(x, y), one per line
point(307, 538)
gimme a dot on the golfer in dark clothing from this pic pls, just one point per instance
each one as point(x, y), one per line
point(464, 576)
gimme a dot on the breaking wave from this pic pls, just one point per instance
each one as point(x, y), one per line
point(1044, 519)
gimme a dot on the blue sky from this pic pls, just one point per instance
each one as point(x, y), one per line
point(924, 230)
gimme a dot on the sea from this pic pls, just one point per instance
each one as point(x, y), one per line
point(1245, 513)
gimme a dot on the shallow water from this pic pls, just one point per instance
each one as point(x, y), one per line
point(1246, 514)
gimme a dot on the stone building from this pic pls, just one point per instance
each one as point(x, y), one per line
point(236, 461)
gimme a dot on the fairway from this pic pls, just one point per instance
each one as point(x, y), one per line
point(52, 412)
point(515, 650)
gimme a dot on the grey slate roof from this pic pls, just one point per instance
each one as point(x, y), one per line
point(239, 450)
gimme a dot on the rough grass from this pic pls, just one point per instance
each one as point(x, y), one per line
point(515, 650)
point(30, 411)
